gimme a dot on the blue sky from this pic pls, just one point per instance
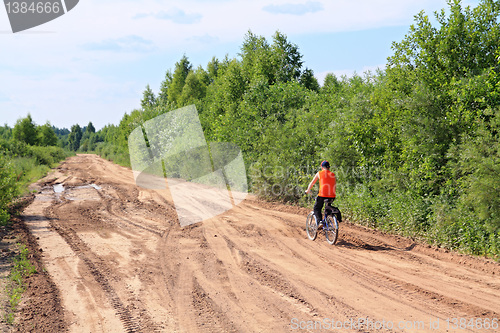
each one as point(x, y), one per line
point(93, 63)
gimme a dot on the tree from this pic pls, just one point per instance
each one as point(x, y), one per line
point(308, 80)
point(286, 58)
point(90, 128)
point(74, 137)
point(182, 69)
point(279, 62)
point(331, 84)
point(5, 132)
point(233, 84)
point(89, 138)
point(255, 59)
point(194, 90)
point(47, 136)
point(148, 98)
point(213, 69)
point(164, 87)
point(25, 131)
point(463, 45)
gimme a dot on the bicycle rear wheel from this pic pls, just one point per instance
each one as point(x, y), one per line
point(311, 227)
point(331, 229)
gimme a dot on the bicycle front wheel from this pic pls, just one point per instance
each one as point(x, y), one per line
point(331, 229)
point(311, 227)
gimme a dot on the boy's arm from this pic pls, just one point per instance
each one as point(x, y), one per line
point(311, 184)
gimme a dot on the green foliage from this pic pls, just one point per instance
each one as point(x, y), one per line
point(25, 131)
point(5, 132)
point(463, 46)
point(279, 62)
point(213, 69)
point(8, 187)
point(479, 162)
point(46, 155)
point(34, 164)
point(74, 137)
point(162, 98)
point(308, 80)
point(458, 229)
point(195, 87)
point(21, 162)
point(90, 128)
point(331, 84)
point(286, 58)
point(148, 99)
point(90, 138)
point(28, 170)
point(114, 153)
point(182, 69)
point(46, 135)
point(255, 54)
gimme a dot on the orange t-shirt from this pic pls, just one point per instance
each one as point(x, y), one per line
point(327, 184)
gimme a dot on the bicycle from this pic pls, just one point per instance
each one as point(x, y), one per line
point(330, 223)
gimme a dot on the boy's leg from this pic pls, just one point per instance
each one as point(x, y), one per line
point(328, 207)
point(318, 206)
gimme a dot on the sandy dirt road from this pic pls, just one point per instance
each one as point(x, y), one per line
point(122, 263)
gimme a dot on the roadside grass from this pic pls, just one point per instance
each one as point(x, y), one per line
point(28, 171)
point(21, 269)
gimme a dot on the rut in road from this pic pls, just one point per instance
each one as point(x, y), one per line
point(83, 252)
point(247, 270)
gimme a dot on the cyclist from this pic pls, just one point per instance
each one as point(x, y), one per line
point(327, 186)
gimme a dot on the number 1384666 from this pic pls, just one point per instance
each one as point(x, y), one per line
point(472, 324)
point(42, 7)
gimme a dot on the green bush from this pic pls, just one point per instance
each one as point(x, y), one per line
point(117, 154)
point(13, 148)
point(459, 228)
point(407, 214)
point(364, 207)
point(8, 187)
point(46, 155)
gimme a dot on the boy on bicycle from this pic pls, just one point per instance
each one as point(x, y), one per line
point(327, 186)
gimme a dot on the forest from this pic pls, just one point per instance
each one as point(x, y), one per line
point(414, 146)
